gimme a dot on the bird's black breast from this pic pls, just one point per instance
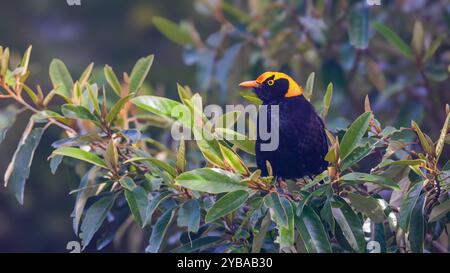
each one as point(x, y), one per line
point(302, 141)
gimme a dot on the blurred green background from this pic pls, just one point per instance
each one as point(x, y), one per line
point(119, 32)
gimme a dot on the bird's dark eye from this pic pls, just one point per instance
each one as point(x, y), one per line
point(270, 82)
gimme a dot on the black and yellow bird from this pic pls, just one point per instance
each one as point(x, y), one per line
point(302, 139)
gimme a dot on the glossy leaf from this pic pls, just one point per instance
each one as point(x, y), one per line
point(354, 134)
point(408, 204)
point(416, 235)
point(349, 223)
point(81, 155)
point(286, 233)
point(382, 181)
point(312, 231)
point(139, 73)
point(159, 163)
point(210, 180)
point(189, 215)
point(111, 78)
point(117, 107)
point(19, 168)
point(153, 205)
point(61, 79)
point(78, 112)
point(94, 218)
point(227, 204)
point(137, 202)
point(159, 231)
point(277, 210)
point(367, 205)
point(422, 138)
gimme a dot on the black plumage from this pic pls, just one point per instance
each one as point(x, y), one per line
point(302, 138)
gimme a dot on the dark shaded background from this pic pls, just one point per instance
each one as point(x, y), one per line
point(117, 33)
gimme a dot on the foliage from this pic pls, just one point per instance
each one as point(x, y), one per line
point(208, 195)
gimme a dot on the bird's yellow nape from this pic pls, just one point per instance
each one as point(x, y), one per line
point(294, 88)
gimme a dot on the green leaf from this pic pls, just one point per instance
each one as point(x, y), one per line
point(115, 110)
point(198, 244)
point(408, 204)
point(422, 138)
point(356, 177)
point(239, 140)
point(309, 88)
point(87, 180)
point(312, 231)
point(61, 79)
point(393, 39)
point(81, 155)
point(184, 92)
point(26, 60)
point(5, 62)
point(416, 234)
point(127, 183)
point(227, 204)
point(232, 159)
point(84, 78)
point(138, 203)
point(358, 25)
point(258, 239)
point(277, 211)
point(7, 119)
point(211, 180)
point(433, 47)
point(153, 205)
point(172, 31)
point(251, 97)
point(94, 218)
point(367, 205)
point(157, 105)
point(356, 155)
point(286, 233)
point(19, 168)
point(139, 73)
point(354, 134)
point(327, 100)
point(111, 155)
point(189, 215)
point(93, 93)
point(181, 157)
point(78, 112)
point(159, 163)
point(441, 141)
point(349, 223)
point(439, 211)
point(111, 78)
point(206, 142)
point(405, 162)
point(159, 231)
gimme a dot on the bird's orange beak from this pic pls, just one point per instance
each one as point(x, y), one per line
point(250, 84)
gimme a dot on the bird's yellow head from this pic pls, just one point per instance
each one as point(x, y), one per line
point(274, 85)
